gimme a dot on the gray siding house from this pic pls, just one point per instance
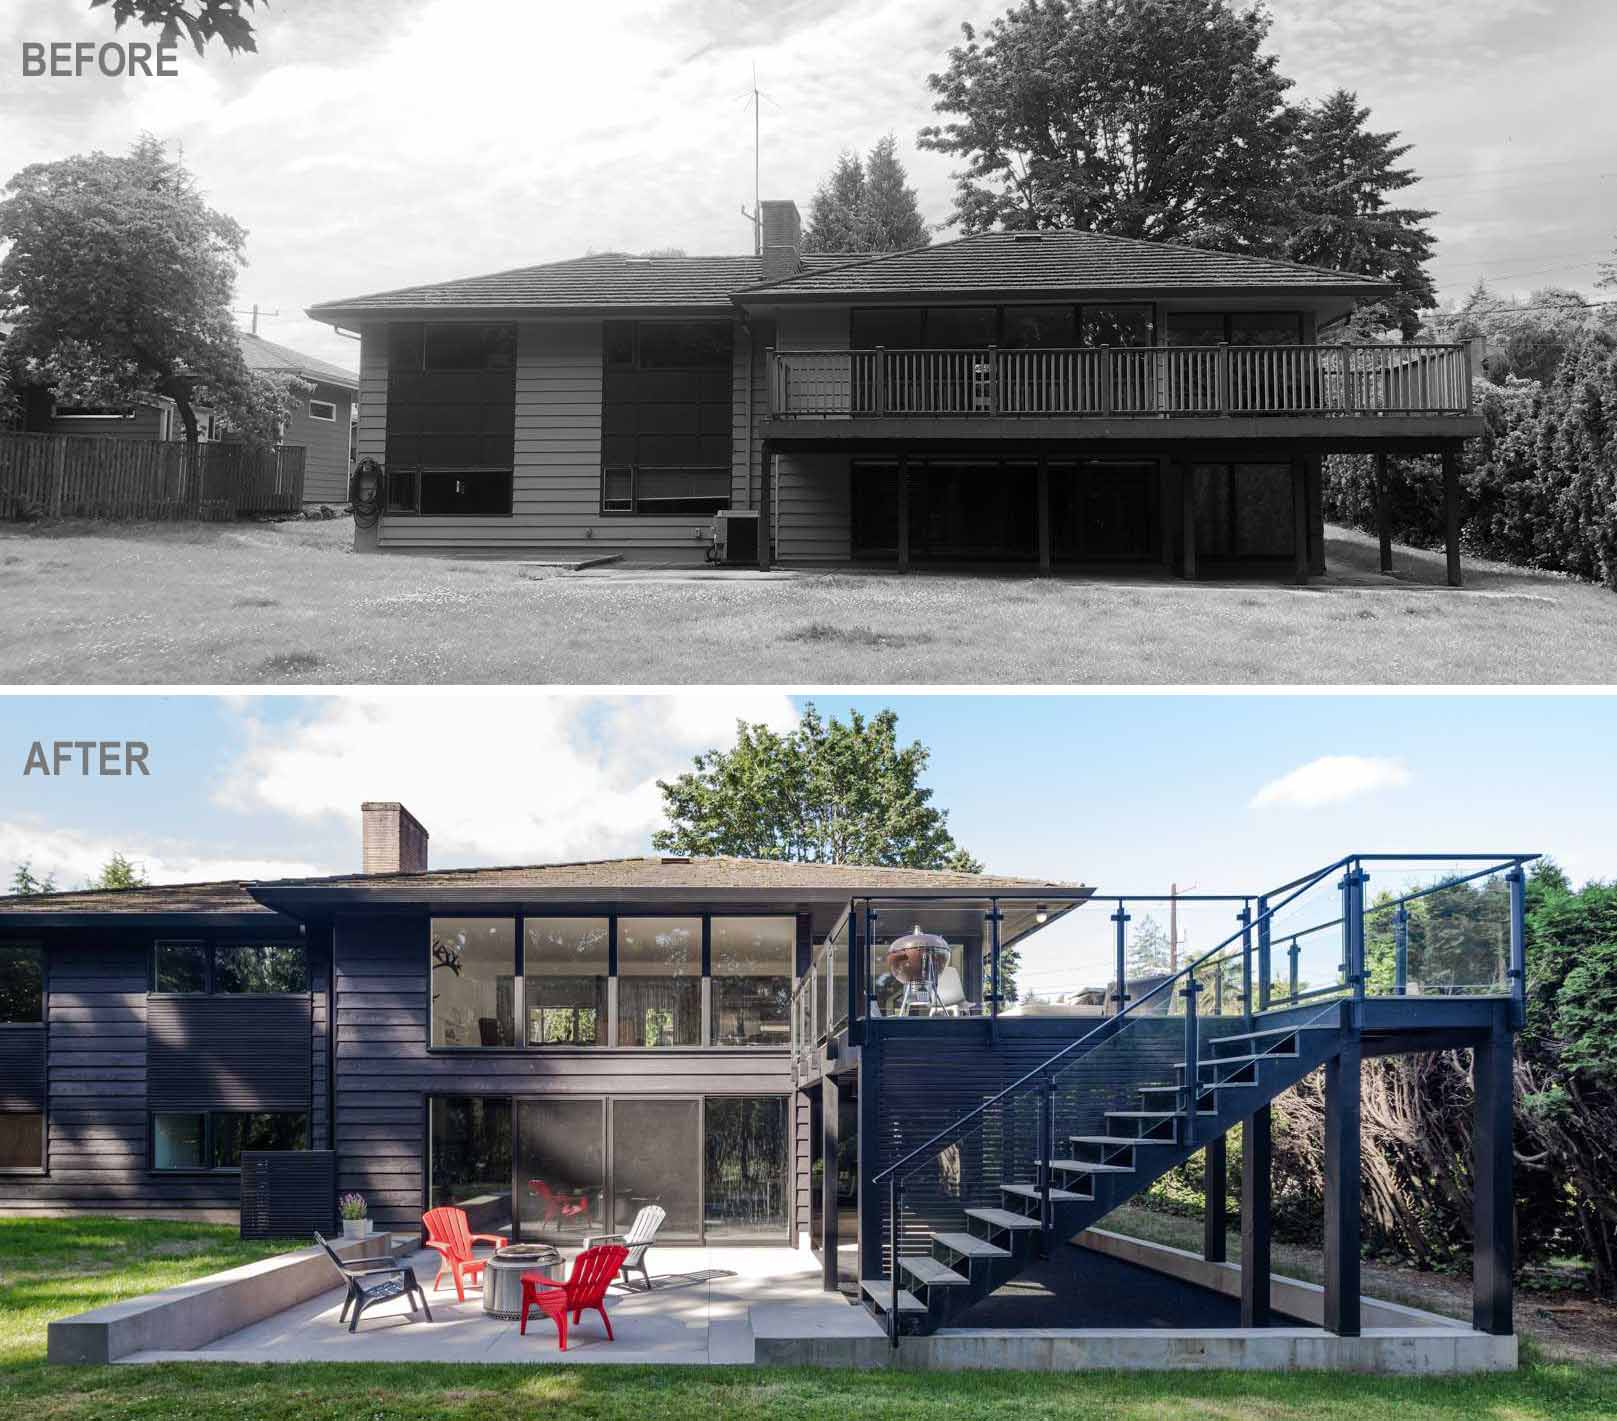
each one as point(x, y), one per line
point(1038, 398)
point(321, 421)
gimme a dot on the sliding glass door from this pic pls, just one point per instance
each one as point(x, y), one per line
point(560, 1184)
point(657, 1159)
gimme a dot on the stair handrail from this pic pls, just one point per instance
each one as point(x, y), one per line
point(1109, 1027)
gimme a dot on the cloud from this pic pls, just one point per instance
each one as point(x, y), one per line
point(75, 858)
point(1331, 779)
point(497, 779)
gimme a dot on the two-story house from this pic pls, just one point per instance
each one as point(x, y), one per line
point(824, 1055)
point(1045, 399)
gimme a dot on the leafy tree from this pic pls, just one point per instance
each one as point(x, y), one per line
point(119, 872)
point(1524, 339)
point(120, 278)
point(200, 20)
point(24, 881)
point(1159, 119)
point(265, 405)
point(1344, 176)
point(824, 792)
point(1146, 953)
point(866, 206)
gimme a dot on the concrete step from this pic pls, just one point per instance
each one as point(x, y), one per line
point(880, 1292)
point(1031, 1191)
point(970, 1246)
point(1002, 1219)
point(926, 1269)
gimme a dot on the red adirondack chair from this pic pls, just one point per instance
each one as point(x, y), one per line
point(584, 1289)
point(451, 1236)
point(562, 1206)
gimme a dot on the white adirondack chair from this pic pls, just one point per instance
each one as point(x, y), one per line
point(641, 1235)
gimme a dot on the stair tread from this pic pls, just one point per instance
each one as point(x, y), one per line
point(972, 1246)
point(930, 1271)
point(1031, 1191)
point(1074, 1165)
point(880, 1292)
point(1237, 1060)
point(1141, 1114)
point(1113, 1140)
point(1003, 1218)
point(1269, 1031)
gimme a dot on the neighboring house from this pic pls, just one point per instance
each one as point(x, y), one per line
point(763, 1048)
point(321, 419)
point(1043, 398)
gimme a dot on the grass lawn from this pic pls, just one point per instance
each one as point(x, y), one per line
point(275, 603)
point(52, 1267)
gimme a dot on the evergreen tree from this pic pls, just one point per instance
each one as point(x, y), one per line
point(24, 881)
point(1146, 954)
point(119, 872)
point(866, 206)
point(1344, 176)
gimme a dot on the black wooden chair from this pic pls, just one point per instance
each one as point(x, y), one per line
point(375, 1281)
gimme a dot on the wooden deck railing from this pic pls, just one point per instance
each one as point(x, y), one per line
point(1130, 381)
point(87, 476)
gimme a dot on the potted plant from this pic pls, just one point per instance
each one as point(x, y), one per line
point(355, 1220)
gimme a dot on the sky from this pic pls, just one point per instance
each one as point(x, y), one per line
point(378, 143)
point(1124, 793)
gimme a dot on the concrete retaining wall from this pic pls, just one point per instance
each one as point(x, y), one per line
point(193, 1314)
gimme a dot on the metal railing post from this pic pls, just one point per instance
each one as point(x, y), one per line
point(1400, 944)
point(1245, 918)
point(1192, 1057)
point(1265, 976)
point(1517, 881)
point(1294, 952)
point(1361, 979)
point(993, 967)
point(1120, 996)
point(1352, 890)
point(1047, 1146)
point(892, 1262)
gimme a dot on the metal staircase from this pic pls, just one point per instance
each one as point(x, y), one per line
point(1107, 1160)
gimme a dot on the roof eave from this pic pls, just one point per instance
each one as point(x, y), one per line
point(760, 296)
point(354, 316)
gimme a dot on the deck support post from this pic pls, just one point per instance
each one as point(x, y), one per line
point(1451, 513)
point(1044, 511)
point(830, 1125)
point(903, 512)
point(1383, 514)
point(1215, 1189)
point(1257, 1216)
point(766, 479)
point(1187, 522)
point(1342, 1190)
point(1314, 488)
point(1120, 993)
point(1299, 522)
point(1493, 1217)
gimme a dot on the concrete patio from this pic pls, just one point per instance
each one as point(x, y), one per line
point(696, 1313)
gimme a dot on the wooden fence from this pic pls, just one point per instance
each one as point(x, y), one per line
point(85, 476)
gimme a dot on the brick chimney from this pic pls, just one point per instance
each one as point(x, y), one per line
point(394, 840)
point(782, 239)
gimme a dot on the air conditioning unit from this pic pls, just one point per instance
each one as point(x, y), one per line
point(735, 538)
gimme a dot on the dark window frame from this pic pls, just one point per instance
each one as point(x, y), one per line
point(402, 487)
point(208, 1115)
point(613, 917)
point(324, 404)
point(42, 1027)
point(210, 947)
point(1225, 319)
point(29, 944)
point(683, 508)
point(1077, 308)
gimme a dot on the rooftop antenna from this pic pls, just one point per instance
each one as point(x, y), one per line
point(757, 98)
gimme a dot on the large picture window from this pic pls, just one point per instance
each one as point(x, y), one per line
point(22, 984)
point(469, 1149)
point(203, 1140)
point(659, 981)
point(565, 964)
point(752, 980)
point(451, 418)
point(744, 1159)
point(191, 968)
point(1244, 510)
point(666, 418)
point(474, 973)
point(1052, 327)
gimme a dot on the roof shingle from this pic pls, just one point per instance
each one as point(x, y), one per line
point(261, 354)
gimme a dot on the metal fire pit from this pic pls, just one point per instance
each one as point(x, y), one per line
point(502, 1275)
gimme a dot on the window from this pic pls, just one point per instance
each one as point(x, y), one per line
point(323, 409)
point(666, 418)
point(260, 967)
point(180, 967)
point(22, 1140)
point(474, 965)
point(229, 967)
point(1244, 510)
point(564, 965)
point(1233, 328)
point(469, 1154)
point(200, 1139)
point(1052, 327)
point(752, 980)
point(1040, 327)
point(962, 327)
point(744, 1155)
point(1118, 325)
point(22, 984)
point(654, 1161)
point(451, 418)
point(659, 981)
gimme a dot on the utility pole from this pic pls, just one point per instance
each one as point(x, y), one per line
point(1173, 924)
point(256, 313)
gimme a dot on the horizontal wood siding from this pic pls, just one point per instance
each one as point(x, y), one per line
point(385, 1071)
point(370, 439)
point(811, 502)
point(802, 1163)
point(325, 468)
point(228, 1052)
